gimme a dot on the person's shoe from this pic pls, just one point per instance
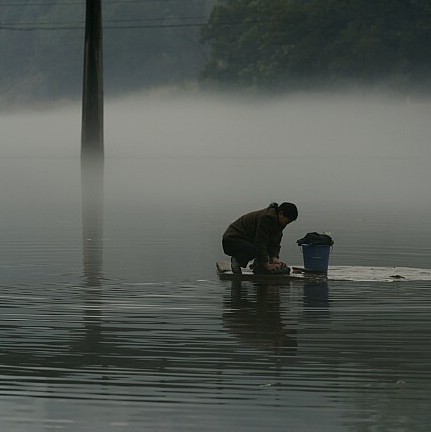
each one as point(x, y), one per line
point(258, 268)
point(236, 268)
point(261, 270)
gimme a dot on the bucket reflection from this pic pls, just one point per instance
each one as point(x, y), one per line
point(316, 300)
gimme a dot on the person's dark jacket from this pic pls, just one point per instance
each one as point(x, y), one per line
point(261, 228)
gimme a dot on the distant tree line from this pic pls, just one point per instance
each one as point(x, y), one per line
point(309, 43)
point(254, 44)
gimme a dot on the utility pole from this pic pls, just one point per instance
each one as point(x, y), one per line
point(92, 99)
point(92, 154)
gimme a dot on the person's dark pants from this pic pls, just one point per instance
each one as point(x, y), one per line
point(242, 250)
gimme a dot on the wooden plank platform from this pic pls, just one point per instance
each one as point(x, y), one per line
point(224, 272)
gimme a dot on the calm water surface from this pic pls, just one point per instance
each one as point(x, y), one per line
point(123, 325)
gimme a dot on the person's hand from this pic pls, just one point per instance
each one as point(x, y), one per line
point(272, 266)
point(279, 264)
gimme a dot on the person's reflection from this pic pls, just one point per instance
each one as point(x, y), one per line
point(254, 315)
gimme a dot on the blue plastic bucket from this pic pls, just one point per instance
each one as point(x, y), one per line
point(316, 257)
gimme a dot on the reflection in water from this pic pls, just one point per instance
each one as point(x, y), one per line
point(165, 352)
point(92, 241)
point(254, 315)
point(92, 219)
point(316, 300)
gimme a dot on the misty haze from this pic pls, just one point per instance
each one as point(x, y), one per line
point(344, 148)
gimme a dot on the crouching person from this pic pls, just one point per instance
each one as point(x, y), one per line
point(257, 236)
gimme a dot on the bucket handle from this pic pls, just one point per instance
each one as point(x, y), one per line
point(302, 245)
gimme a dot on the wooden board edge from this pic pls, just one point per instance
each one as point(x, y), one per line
point(225, 273)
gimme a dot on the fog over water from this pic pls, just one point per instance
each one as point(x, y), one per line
point(226, 126)
point(371, 149)
point(180, 163)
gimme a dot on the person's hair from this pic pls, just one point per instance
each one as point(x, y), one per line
point(288, 209)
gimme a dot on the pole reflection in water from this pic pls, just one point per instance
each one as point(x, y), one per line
point(92, 242)
point(92, 219)
point(254, 315)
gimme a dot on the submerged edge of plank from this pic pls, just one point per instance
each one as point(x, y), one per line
point(224, 272)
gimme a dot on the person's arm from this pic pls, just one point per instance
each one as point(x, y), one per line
point(274, 248)
point(263, 238)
